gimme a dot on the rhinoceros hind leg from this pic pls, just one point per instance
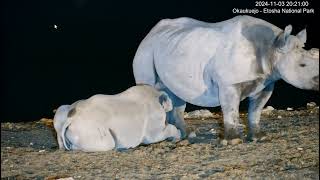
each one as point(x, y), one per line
point(176, 115)
point(256, 104)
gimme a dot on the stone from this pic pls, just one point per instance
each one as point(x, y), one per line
point(236, 141)
point(268, 110)
point(289, 109)
point(213, 131)
point(311, 105)
point(203, 113)
point(192, 135)
point(67, 178)
point(224, 142)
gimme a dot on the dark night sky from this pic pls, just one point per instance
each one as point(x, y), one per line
point(92, 50)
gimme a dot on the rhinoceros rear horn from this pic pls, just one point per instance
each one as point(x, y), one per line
point(283, 37)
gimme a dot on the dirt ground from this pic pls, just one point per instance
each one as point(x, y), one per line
point(289, 151)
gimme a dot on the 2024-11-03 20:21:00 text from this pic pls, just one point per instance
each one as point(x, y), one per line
point(282, 3)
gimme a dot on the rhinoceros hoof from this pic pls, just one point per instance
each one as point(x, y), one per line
point(256, 136)
point(183, 134)
point(173, 139)
point(233, 132)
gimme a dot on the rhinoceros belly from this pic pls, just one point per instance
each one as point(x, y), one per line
point(190, 87)
point(181, 61)
point(189, 81)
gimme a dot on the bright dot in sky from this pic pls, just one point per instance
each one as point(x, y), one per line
point(55, 26)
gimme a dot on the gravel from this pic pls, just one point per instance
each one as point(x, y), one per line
point(290, 150)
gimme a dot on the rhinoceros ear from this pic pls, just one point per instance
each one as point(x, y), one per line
point(165, 101)
point(302, 35)
point(283, 37)
point(288, 30)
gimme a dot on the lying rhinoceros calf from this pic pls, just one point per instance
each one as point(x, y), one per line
point(125, 120)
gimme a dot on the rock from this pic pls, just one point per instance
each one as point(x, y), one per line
point(236, 141)
point(185, 177)
point(263, 138)
point(268, 110)
point(6, 125)
point(207, 173)
point(224, 142)
point(192, 135)
point(213, 131)
point(311, 105)
point(289, 109)
point(216, 116)
point(47, 122)
point(184, 143)
point(203, 113)
point(67, 178)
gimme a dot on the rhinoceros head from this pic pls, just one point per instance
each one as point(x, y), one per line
point(295, 65)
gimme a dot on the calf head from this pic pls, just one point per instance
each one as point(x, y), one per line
point(295, 65)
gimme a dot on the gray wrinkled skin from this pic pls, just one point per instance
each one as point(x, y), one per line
point(220, 64)
point(126, 120)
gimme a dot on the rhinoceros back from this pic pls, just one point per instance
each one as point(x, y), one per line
point(191, 57)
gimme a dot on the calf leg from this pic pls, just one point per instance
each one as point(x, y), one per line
point(229, 98)
point(90, 140)
point(256, 103)
point(170, 131)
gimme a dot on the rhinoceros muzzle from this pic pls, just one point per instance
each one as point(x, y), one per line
point(314, 52)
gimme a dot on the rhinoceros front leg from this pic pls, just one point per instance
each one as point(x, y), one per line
point(256, 104)
point(176, 118)
point(229, 98)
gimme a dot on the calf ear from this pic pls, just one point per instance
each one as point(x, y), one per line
point(165, 102)
point(302, 35)
point(282, 39)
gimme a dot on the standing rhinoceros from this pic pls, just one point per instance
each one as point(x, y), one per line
point(212, 64)
point(125, 120)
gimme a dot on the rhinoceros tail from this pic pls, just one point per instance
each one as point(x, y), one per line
point(143, 64)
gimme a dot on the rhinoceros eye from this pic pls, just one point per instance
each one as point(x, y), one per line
point(302, 65)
